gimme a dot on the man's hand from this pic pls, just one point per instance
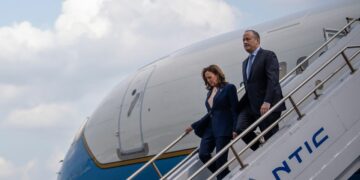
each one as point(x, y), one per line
point(264, 108)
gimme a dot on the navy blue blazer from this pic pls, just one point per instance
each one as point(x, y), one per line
point(221, 118)
point(263, 83)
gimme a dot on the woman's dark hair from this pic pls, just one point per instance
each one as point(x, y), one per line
point(217, 71)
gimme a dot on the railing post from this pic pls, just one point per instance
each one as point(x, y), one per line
point(348, 62)
point(238, 158)
point(169, 173)
point(349, 19)
point(151, 161)
point(156, 169)
point(316, 95)
point(296, 108)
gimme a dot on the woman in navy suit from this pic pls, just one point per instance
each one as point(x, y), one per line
point(216, 128)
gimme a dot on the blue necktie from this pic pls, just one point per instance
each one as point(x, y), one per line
point(249, 64)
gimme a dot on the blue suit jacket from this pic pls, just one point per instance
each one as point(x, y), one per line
point(221, 118)
point(263, 83)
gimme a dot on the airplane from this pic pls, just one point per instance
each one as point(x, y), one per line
point(152, 106)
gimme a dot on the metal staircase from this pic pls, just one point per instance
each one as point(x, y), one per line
point(325, 78)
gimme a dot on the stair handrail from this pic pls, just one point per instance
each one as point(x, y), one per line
point(180, 164)
point(152, 160)
point(344, 29)
point(258, 121)
point(313, 91)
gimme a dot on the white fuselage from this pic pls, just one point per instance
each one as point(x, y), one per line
point(153, 106)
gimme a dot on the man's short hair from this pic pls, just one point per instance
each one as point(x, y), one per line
point(257, 36)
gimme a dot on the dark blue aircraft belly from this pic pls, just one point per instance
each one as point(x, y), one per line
point(79, 165)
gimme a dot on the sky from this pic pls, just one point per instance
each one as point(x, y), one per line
point(59, 59)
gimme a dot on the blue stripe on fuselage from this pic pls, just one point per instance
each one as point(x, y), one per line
point(79, 165)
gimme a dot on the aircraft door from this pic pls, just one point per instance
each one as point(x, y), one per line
point(131, 140)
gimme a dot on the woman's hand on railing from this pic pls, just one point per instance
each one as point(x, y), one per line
point(188, 129)
point(234, 134)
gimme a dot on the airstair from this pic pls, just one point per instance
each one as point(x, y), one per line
point(319, 136)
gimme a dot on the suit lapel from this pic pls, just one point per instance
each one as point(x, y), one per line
point(244, 70)
point(216, 95)
point(207, 101)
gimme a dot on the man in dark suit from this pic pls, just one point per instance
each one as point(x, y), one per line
point(263, 90)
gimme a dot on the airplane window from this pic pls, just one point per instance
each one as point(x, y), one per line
point(303, 66)
point(283, 69)
point(317, 82)
point(133, 92)
point(322, 52)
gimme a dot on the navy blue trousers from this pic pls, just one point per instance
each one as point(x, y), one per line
point(246, 118)
point(207, 146)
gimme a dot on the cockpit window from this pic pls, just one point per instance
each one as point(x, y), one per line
point(133, 103)
point(133, 92)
